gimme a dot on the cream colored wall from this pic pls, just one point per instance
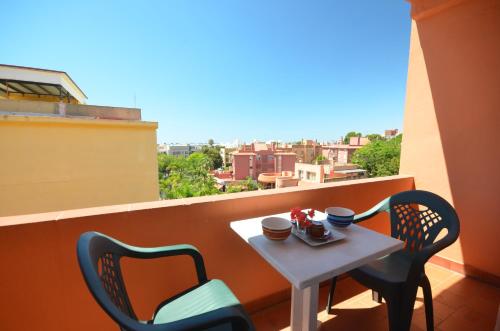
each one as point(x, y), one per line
point(30, 97)
point(452, 118)
point(36, 106)
point(52, 164)
point(318, 170)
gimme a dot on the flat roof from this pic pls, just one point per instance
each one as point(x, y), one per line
point(243, 153)
point(342, 146)
point(350, 171)
point(284, 153)
point(38, 81)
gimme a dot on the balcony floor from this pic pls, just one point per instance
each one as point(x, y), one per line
point(460, 303)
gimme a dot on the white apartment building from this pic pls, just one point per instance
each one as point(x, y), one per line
point(179, 149)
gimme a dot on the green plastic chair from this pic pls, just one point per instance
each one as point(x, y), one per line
point(209, 305)
point(417, 218)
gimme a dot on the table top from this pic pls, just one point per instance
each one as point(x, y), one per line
point(304, 265)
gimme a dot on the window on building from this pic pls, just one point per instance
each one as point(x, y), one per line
point(311, 175)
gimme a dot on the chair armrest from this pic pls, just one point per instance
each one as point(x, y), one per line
point(379, 207)
point(165, 251)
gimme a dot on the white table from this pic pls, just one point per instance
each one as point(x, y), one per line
point(305, 266)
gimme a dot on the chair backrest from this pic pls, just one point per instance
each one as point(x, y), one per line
point(99, 259)
point(417, 218)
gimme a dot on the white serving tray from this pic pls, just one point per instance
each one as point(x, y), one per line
point(335, 236)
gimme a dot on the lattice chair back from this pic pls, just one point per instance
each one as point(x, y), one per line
point(99, 258)
point(418, 217)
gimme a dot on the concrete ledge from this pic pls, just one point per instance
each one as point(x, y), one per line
point(19, 118)
point(45, 107)
point(125, 208)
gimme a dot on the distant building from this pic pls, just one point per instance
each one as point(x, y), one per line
point(257, 158)
point(320, 173)
point(341, 153)
point(225, 153)
point(348, 172)
point(307, 151)
point(312, 173)
point(389, 134)
point(179, 149)
point(358, 141)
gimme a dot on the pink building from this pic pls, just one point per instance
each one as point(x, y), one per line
point(389, 134)
point(284, 161)
point(252, 160)
point(341, 153)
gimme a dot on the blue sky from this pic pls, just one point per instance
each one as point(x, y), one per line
point(259, 69)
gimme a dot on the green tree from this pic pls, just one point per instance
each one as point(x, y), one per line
point(164, 161)
point(213, 154)
point(210, 142)
point(374, 137)
point(380, 157)
point(319, 158)
point(188, 177)
point(246, 185)
point(234, 188)
point(348, 136)
point(249, 184)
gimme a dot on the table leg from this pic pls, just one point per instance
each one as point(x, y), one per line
point(304, 308)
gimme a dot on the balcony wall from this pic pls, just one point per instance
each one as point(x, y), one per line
point(41, 287)
point(452, 119)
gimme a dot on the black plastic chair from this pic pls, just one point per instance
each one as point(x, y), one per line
point(417, 218)
point(208, 305)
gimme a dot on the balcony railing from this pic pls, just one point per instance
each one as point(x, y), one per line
point(40, 277)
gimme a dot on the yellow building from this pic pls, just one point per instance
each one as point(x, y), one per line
point(65, 155)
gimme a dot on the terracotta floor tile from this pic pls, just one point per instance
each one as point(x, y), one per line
point(467, 319)
point(460, 304)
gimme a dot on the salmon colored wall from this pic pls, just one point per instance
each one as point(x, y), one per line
point(452, 119)
point(54, 163)
point(241, 166)
point(42, 288)
point(287, 163)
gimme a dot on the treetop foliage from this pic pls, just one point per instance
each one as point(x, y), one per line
point(185, 177)
point(380, 157)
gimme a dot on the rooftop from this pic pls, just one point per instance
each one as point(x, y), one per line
point(39, 82)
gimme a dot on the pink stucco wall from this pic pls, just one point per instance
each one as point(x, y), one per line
point(241, 166)
point(287, 162)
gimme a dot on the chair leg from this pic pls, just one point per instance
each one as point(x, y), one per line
point(329, 303)
point(406, 307)
point(376, 296)
point(429, 311)
point(393, 313)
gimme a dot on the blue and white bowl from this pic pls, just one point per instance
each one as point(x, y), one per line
point(339, 216)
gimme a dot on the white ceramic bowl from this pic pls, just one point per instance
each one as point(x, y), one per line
point(276, 223)
point(276, 228)
point(339, 212)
